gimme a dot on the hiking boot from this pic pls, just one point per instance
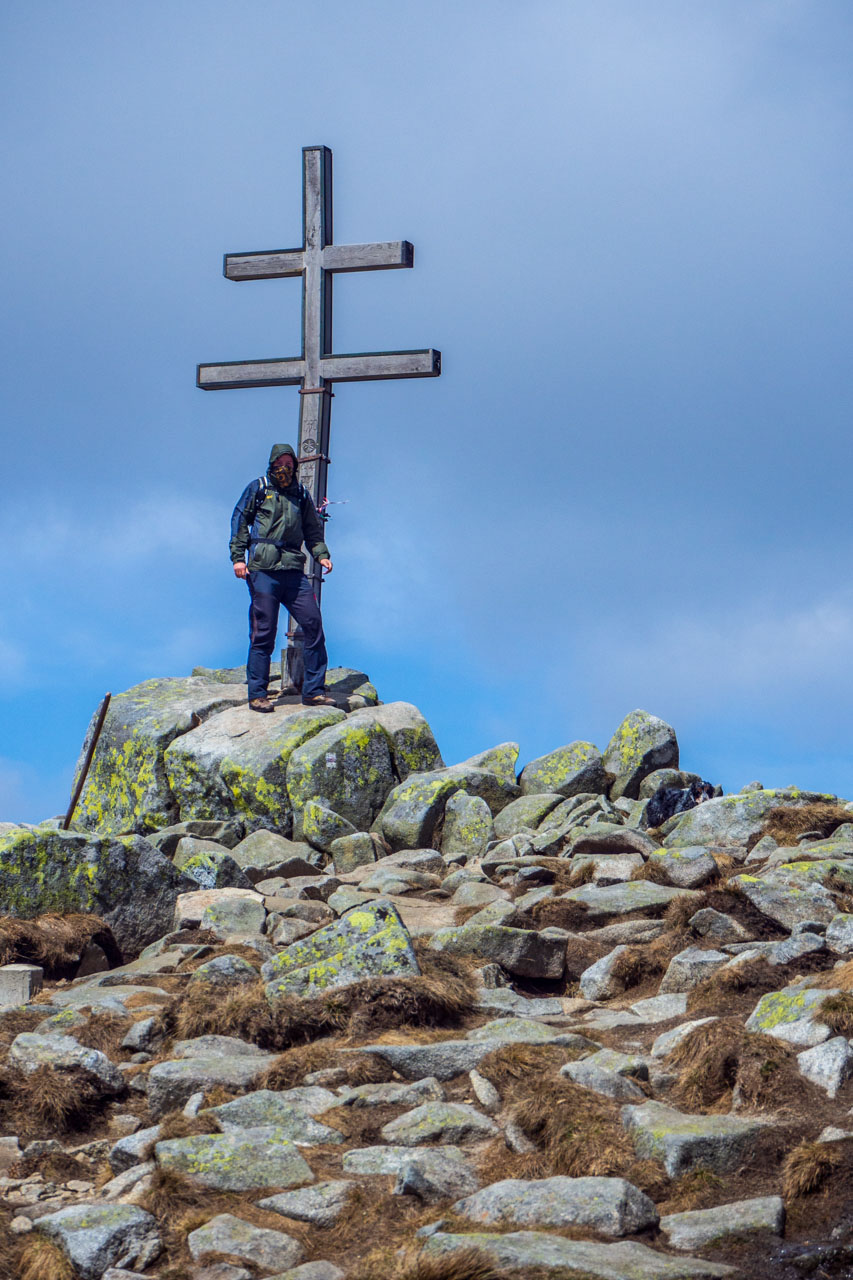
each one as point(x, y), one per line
point(318, 700)
point(261, 704)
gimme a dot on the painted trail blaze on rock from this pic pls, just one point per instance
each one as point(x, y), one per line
point(370, 941)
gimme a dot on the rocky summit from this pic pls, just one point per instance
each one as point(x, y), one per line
point(296, 998)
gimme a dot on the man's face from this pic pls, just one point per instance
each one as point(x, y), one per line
point(282, 470)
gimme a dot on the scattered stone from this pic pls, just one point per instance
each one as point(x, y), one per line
point(468, 827)
point(699, 1228)
point(610, 1206)
point(96, 1237)
point(827, 1065)
point(225, 971)
point(320, 1205)
point(668, 1040)
point(265, 1108)
point(601, 980)
point(612, 841)
point(688, 868)
point(241, 1160)
point(609, 1073)
point(525, 1250)
point(29, 1051)
point(526, 813)
point(661, 1008)
point(690, 967)
point(839, 934)
point(390, 1094)
point(445, 1122)
point(269, 1250)
point(731, 820)
point(319, 1270)
point(521, 951)
point(171, 1083)
point(350, 852)
point(682, 1142)
point(718, 927)
point(417, 1171)
point(485, 1092)
point(619, 899)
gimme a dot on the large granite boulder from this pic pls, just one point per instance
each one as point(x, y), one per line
point(236, 763)
point(123, 879)
point(127, 788)
point(730, 821)
point(347, 767)
point(414, 811)
point(641, 744)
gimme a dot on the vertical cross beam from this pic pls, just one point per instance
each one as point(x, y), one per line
point(317, 369)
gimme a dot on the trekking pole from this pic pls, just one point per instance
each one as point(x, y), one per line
point(99, 724)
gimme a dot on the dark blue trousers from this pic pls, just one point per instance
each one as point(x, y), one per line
point(269, 591)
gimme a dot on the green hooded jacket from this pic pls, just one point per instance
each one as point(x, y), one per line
point(272, 523)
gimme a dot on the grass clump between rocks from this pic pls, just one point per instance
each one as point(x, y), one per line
point(808, 1167)
point(47, 1101)
point(836, 1012)
point(784, 823)
point(56, 942)
point(721, 1058)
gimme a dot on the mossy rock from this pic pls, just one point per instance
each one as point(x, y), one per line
point(321, 827)
point(127, 788)
point(241, 1160)
point(733, 820)
point(573, 770)
point(468, 827)
point(123, 879)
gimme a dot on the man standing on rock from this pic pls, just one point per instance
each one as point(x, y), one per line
point(273, 517)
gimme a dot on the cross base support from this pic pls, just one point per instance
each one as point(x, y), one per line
point(293, 664)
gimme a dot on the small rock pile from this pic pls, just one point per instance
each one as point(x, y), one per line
point(346, 1011)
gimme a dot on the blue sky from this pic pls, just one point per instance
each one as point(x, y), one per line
point(629, 487)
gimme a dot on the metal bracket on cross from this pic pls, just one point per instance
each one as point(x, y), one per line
point(316, 369)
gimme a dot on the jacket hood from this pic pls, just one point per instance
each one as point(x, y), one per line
point(278, 449)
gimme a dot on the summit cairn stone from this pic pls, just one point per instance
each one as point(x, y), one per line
point(641, 744)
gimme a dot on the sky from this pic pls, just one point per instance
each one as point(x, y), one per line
point(629, 486)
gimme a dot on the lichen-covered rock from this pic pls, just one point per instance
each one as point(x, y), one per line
point(264, 1108)
point(370, 941)
point(350, 852)
point(29, 1051)
point(123, 879)
point(526, 813)
point(240, 1160)
point(225, 971)
point(687, 868)
point(236, 763)
point(127, 788)
point(321, 1205)
point(611, 1206)
point(789, 1015)
point(641, 744)
point(321, 827)
point(211, 867)
point(413, 810)
point(839, 933)
point(681, 1141)
point(269, 1250)
point(347, 768)
point(468, 827)
point(232, 916)
point(619, 899)
point(732, 820)
point(500, 761)
point(602, 979)
point(568, 770)
point(790, 895)
point(413, 747)
point(95, 1237)
point(690, 967)
point(528, 1251)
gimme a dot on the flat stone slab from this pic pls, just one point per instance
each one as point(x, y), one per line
point(619, 899)
point(171, 1084)
point(698, 1228)
point(626, 1260)
point(270, 1250)
point(612, 1074)
point(439, 1122)
point(320, 1205)
point(96, 1237)
point(661, 1008)
point(443, 1059)
point(390, 1094)
point(430, 1173)
point(29, 1051)
point(610, 1206)
point(682, 1141)
point(390, 1159)
point(264, 1108)
point(239, 1161)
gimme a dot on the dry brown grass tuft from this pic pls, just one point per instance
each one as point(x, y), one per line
point(291, 1068)
point(678, 913)
point(695, 1190)
point(104, 1031)
point(175, 1124)
point(248, 954)
point(637, 965)
point(722, 1056)
point(442, 995)
point(41, 1259)
point(750, 975)
point(56, 942)
point(464, 1264)
point(579, 1134)
point(47, 1102)
point(836, 1012)
point(785, 823)
point(522, 1062)
point(583, 873)
point(808, 1167)
point(841, 977)
point(651, 870)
